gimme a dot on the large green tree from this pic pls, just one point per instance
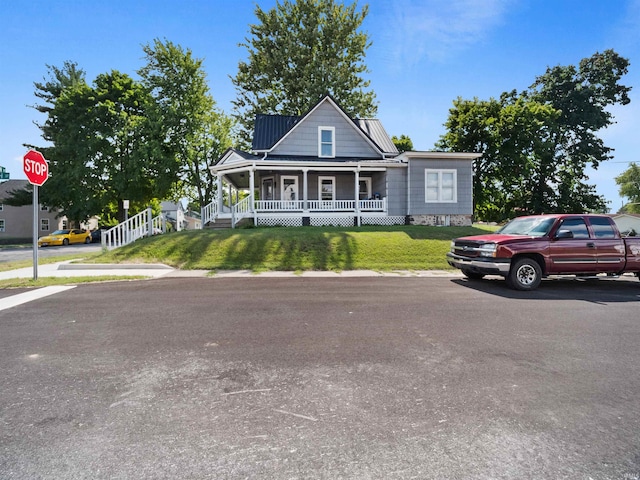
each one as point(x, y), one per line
point(536, 145)
point(629, 187)
point(297, 52)
point(108, 146)
point(196, 131)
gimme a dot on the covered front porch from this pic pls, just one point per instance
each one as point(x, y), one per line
point(309, 195)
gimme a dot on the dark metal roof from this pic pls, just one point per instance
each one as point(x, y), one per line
point(269, 129)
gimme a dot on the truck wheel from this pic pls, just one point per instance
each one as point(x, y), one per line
point(525, 274)
point(472, 275)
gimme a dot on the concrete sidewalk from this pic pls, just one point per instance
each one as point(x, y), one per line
point(68, 269)
point(156, 270)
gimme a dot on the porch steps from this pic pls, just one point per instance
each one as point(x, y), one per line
point(219, 224)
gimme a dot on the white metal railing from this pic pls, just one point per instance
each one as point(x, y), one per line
point(141, 225)
point(279, 205)
point(241, 210)
point(331, 205)
point(209, 213)
point(373, 205)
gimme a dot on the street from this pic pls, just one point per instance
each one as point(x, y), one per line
point(13, 254)
point(296, 378)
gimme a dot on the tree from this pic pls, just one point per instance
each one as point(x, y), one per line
point(629, 183)
point(298, 52)
point(49, 90)
point(536, 145)
point(511, 175)
point(59, 79)
point(196, 132)
point(108, 146)
point(403, 144)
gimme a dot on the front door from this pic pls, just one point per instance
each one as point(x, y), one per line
point(326, 191)
point(289, 191)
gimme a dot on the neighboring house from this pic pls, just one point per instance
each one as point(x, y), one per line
point(325, 168)
point(16, 223)
point(628, 223)
point(174, 214)
point(192, 220)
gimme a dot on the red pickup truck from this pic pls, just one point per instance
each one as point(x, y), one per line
point(529, 248)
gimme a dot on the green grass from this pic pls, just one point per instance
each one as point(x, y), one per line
point(5, 266)
point(298, 249)
point(49, 281)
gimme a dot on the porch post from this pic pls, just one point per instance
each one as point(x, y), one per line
point(220, 193)
point(252, 195)
point(305, 189)
point(357, 195)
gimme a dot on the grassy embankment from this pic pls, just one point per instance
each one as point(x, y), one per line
point(298, 249)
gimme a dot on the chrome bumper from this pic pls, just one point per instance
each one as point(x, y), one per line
point(488, 266)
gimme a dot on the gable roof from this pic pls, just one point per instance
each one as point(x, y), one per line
point(269, 130)
point(10, 185)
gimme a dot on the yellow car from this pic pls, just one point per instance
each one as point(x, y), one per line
point(65, 237)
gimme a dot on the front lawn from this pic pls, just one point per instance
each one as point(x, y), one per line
point(298, 249)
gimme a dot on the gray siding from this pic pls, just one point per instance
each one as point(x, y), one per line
point(418, 206)
point(303, 140)
point(396, 191)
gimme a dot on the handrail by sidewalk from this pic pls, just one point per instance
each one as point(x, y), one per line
point(141, 225)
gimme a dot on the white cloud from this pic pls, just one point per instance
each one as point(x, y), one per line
point(434, 29)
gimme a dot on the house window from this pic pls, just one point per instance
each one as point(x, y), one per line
point(1, 225)
point(364, 189)
point(326, 188)
point(440, 186)
point(44, 208)
point(326, 142)
point(267, 189)
point(65, 224)
point(44, 224)
point(1, 207)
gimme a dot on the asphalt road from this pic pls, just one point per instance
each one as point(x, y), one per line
point(12, 254)
point(365, 378)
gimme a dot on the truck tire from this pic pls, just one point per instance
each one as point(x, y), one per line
point(472, 275)
point(525, 274)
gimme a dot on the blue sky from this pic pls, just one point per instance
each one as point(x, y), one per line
point(425, 53)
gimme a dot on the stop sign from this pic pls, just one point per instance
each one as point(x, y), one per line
point(36, 168)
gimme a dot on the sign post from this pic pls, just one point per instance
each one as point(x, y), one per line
point(36, 169)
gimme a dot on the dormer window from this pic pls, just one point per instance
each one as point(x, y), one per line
point(326, 142)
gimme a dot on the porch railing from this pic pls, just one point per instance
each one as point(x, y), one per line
point(321, 205)
point(141, 225)
point(243, 208)
point(208, 213)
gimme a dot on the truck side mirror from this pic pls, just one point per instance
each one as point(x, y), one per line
point(563, 234)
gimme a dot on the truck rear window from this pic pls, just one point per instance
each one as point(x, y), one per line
point(602, 228)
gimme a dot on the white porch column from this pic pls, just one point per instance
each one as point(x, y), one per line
point(357, 195)
point(219, 193)
point(252, 195)
point(305, 189)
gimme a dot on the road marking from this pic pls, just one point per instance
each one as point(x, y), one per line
point(21, 298)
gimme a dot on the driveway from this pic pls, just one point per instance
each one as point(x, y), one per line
point(388, 378)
